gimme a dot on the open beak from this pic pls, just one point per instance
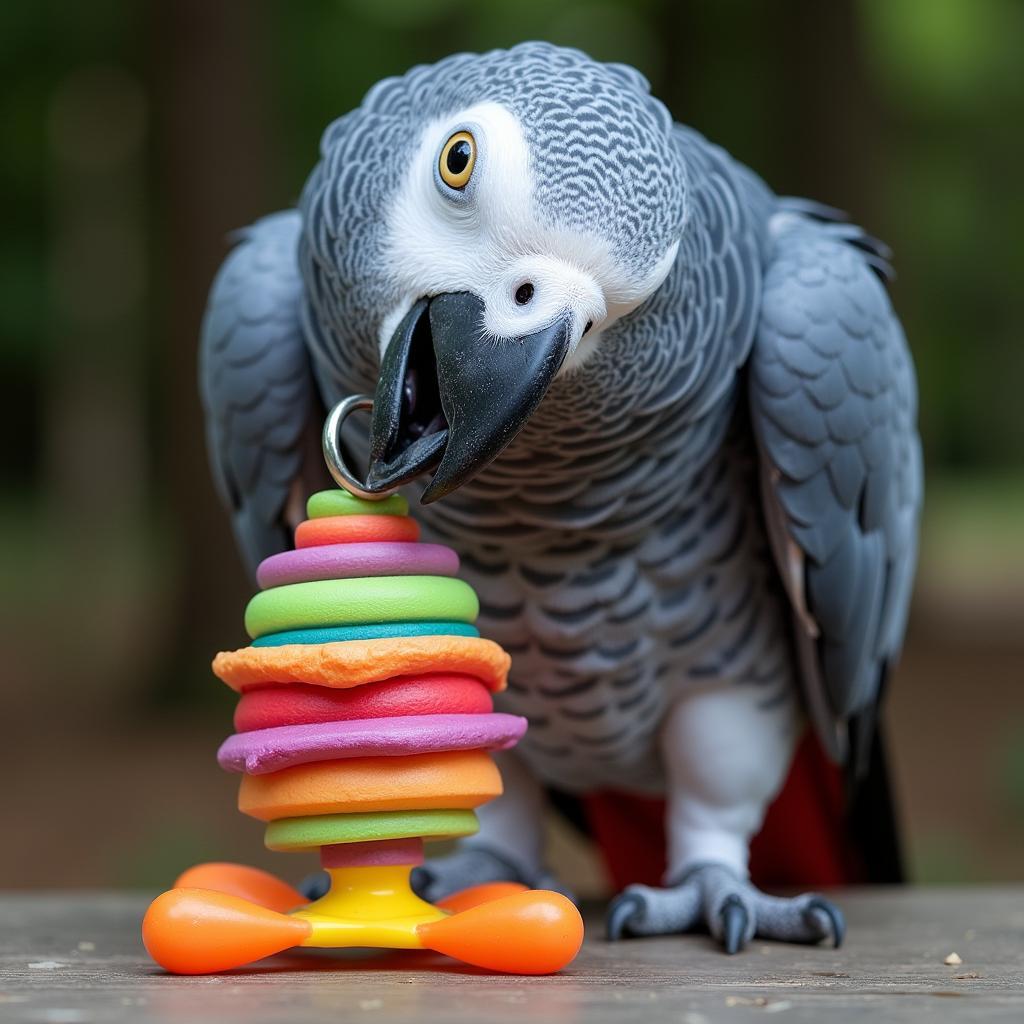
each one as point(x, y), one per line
point(451, 396)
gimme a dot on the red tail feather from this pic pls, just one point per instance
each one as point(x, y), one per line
point(804, 840)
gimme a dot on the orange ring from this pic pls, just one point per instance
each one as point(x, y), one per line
point(354, 662)
point(455, 779)
point(313, 533)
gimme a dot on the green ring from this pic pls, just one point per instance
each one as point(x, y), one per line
point(374, 631)
point(341, 503)
point(288, 834)
point(359, 601)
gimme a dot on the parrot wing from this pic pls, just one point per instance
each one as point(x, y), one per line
point(256, 383)
point(833, 405)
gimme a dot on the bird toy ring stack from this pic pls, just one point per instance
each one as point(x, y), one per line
point(363, 728)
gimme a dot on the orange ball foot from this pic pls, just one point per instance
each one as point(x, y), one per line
point(200, 931)
point(252, 884)
point(465, 899)
point(533, 932)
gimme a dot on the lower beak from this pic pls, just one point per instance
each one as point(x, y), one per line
point(451, 396)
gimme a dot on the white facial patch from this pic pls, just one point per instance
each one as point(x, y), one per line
point(489, 241)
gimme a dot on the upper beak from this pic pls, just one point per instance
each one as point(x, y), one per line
point(452, 396)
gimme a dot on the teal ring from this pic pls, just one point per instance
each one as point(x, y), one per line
point(372, 631)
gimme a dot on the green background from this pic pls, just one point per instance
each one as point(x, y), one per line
point(136, 136)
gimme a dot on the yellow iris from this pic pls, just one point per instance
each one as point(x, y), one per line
point(457, 159)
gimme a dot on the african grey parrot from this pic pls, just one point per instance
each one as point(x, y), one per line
point(671, 417)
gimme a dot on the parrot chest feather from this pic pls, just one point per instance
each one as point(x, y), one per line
point(604, 631)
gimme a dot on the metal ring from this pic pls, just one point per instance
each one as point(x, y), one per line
point(332, 448)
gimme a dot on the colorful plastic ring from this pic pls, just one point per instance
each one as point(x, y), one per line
point(460, 778)
point(302, 833)
point(434, 694)
point(347, 561)
point(354, 529)
point(341, 503)
point(354, 602)
point(270, 750)
point(374, 631)
point(364, 661)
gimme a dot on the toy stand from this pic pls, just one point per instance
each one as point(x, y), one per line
point(364, 724)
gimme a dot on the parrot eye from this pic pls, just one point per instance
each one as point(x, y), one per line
point(457, 159)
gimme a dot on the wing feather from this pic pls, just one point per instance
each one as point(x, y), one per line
point(833, 404)
point(256, 383)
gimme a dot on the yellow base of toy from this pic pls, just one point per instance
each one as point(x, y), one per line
point(223, 916)
point(368, 906)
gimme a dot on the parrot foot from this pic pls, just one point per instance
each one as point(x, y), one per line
point(315, 886)
point(476, 865)
point(465, 868)
point(714, 898)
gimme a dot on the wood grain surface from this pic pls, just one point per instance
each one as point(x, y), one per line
point(77, 957)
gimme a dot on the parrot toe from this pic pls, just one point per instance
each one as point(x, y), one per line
point(735, 920)
point(621, 911)
point(315, 885)
point(644, 910)
point(476, 865)
point(715, 899)
point(827, 918)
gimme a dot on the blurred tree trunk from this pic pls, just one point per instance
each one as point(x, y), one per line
point(805, 58)
point(95, 471)
point(832, 138)
point(214, 164)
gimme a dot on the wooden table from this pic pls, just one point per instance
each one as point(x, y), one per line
point(76, 957)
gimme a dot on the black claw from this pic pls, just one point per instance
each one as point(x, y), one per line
point(835, 917)
point(316, 885)
point(620, 912)
point(734, 924)
point(421, 880)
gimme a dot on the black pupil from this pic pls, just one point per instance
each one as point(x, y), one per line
point(458, 156)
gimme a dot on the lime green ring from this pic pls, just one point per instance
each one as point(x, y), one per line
point(359, 601)
point(341, 503)
point(291, 834)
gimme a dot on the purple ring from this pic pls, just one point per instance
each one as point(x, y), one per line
point(352, 561)
point(270, 750)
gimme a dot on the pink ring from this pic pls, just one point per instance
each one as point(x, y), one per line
point(352, 561)
point(376, 854)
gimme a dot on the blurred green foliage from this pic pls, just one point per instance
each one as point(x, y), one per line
point(136, 134)
point(939, 99)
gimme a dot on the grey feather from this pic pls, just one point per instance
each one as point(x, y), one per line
point(617, 543)
point(256, 383)
point(833, 403)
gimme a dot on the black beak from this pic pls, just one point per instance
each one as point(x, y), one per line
point(451, 397)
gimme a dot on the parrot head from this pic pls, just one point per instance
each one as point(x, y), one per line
point(491, 217)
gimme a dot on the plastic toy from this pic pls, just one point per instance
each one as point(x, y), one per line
point(364, 723)
point(668, 420)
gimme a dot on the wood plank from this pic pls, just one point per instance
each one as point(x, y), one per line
point(76, 957)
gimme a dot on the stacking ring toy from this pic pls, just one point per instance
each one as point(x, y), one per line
point(365, 726)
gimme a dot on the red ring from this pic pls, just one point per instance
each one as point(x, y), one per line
point(304, 703)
